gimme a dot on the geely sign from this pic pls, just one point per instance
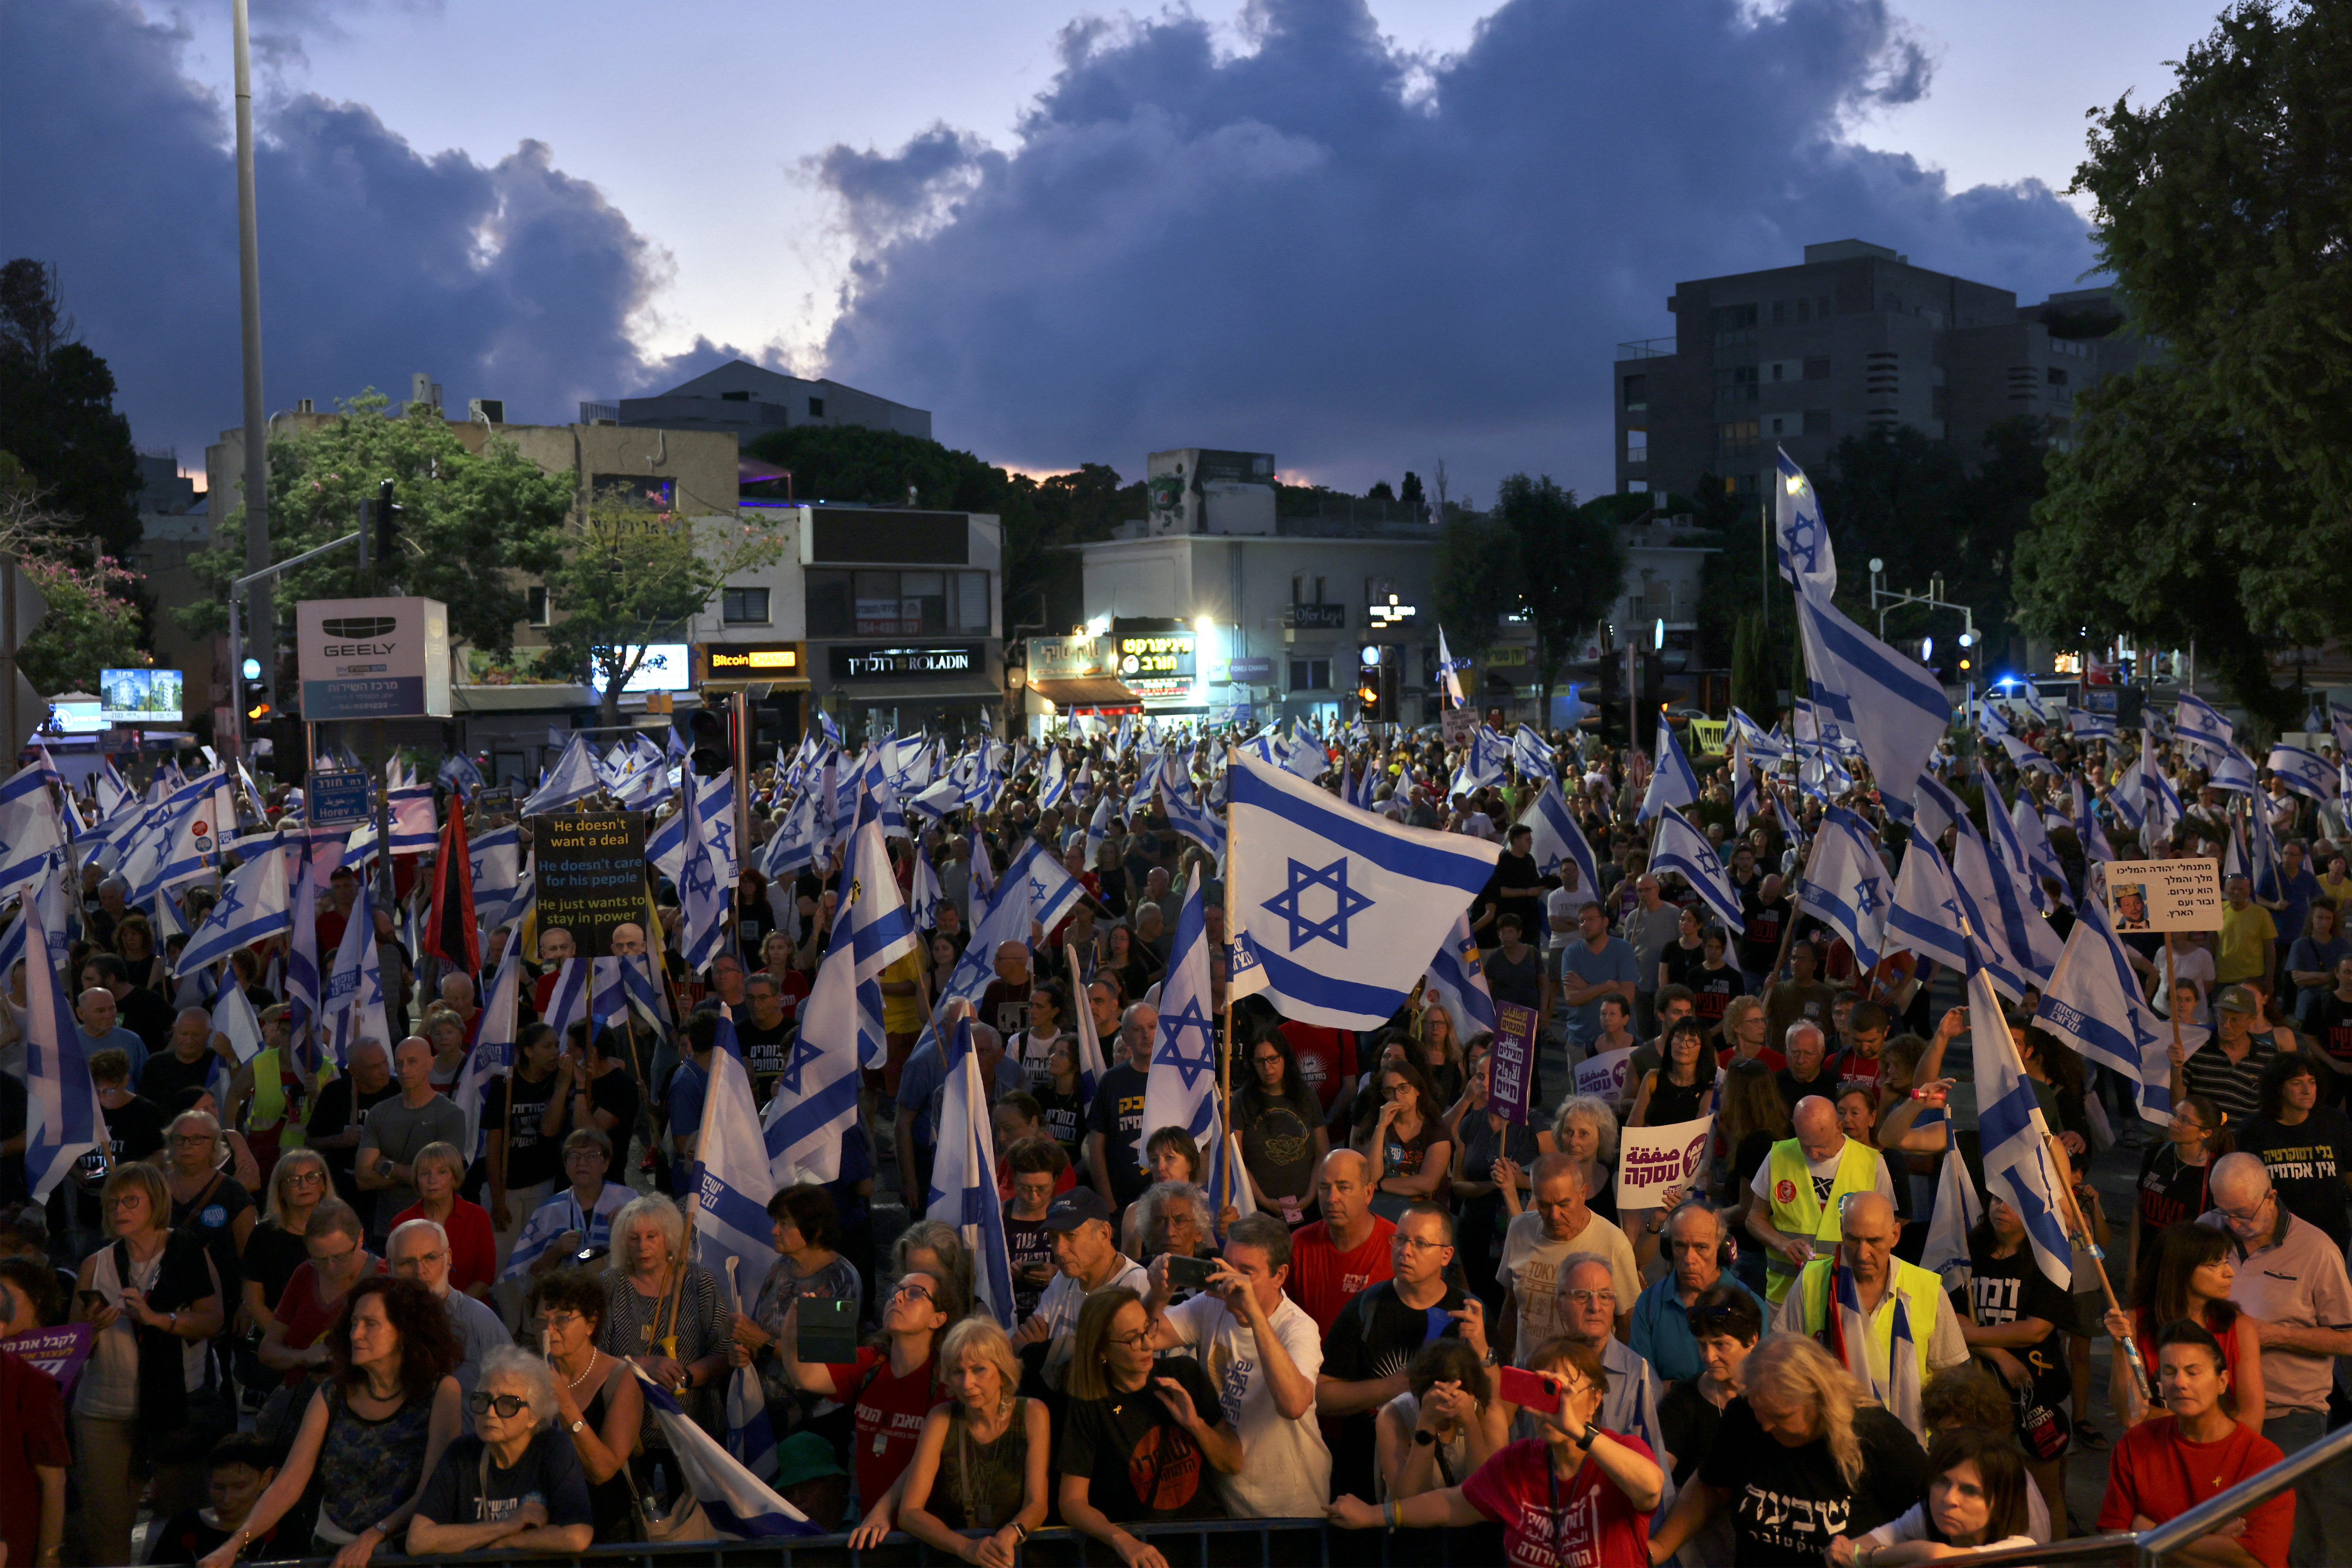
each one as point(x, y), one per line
point(372, 658)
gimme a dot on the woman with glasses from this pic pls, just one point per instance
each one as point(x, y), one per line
point(577, 1219)
point(207, 1203)
point(976, 1487)
point(274, 1250)
point(1281, 1125)
point(1406, 1142)
point(891, 1385)
point(514, 1483)
point(152, 1299)
point(293, 1343)
point(374, 1431)
point(597, 1400)
point(1579, 1493)
point(1139, 1435)
point(2174, 1173)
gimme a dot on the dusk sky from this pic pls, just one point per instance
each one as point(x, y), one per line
point(1364, 239)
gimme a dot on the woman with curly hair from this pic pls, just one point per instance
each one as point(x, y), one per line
point(374, 1431)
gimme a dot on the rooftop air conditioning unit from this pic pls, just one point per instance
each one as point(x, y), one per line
point(489, 410)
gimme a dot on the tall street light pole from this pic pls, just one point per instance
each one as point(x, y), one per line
point(259, 616)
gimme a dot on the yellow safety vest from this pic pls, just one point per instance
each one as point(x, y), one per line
point(1796, 1212)
point(1919, 1290)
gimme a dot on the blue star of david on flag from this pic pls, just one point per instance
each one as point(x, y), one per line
point(1865, 897)
point(231, 900)
point(1173, 1028)
point(1346, 903)
point(803, 1052)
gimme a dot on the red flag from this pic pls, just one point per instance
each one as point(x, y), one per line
point(451, 933)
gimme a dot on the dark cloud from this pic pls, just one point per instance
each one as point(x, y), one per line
point(1366, 260)
point(509, 279)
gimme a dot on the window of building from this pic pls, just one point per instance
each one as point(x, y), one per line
point(816, 407)
point(1298, 589)
point(634, 493)
point(1817, 422)
point(1637, 446)
point(896, 604)
point(1735, 384)
point(1804, 311)
point(743, 607)
point(1310, 675)
point(2057, 377)
point(1822, 308)
point(1637, 487)
point(1779, 426)
point(1637, 392)
point(535, 607)
point(1779, 312)
point(1817, 367)
point(734, 397)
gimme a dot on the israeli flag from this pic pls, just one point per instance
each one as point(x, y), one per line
point(414, 830)
point(29, 829)
point(738, 1505)
point(496, 860)
point(2230, 770)
point(1557, 839)
point(1674, 783)
point(1845, 884)
point(1181, 1088)
point(1098, 830)
point(2093, 1005)
point(1800, 536)
point(2016, 1164)
point(304, 992)
point(2009, 854)
point(2198, 720)
point(1926, 916)
point(1448, 667)
point(1191, 816)
point(1991, 719)
point(815, 1097)
point(1892, 706)
point(235, 1021)
point(1458, 979)
point(1958, 1212)
point(2164, 810)
point(715, 802)
point(1763, 745)
point(2014, 943)
point(2027, 757)
point(458, 771)
point(2085, 726)
point(983, 868)
point(493, 1052)
point(572, 778)
point(1789, 827)
point(793, 846)
point(924, 896)
point(2040, 856)
point(702, 891)
point(1532, 757)
point(63, 1119)
point(751, 1436)
point(353, 1006)
point(1338, 903)
point(567, 1004)
point(2305, 771)
point(874, 928)
point(253, 905)
point(1680, 847)
point(1053, 780)
point(732, 1178)
point(1091, 1064)
point(1147, 779)
point(962, 1194)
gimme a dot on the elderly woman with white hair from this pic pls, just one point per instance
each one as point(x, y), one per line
point(662, 1312)
point(516, 1484)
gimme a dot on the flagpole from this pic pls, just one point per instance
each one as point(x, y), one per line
point(1226, 1057)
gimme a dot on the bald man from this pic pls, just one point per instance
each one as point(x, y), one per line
point(184, 1062)
point(1346, 1249)
point(1887, 1289)
point(98, 1021)
point(1797, 1188)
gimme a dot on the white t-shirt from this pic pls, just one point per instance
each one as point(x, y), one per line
point(2196, 966)
point(1059, 1307)
point(1531, 1267)
point(1286, 1467)
point(1913, 1526)
point(1559, 914)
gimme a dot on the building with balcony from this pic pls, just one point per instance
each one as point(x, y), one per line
point(1855, 338)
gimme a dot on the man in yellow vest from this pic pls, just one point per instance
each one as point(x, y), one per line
point(1797, 1188)
point(1890, 1299)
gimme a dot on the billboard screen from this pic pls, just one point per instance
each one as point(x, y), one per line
point(665, 667)
point(139, 695)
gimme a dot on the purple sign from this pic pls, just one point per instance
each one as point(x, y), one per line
point(59, 1351)
point(1512, 1066)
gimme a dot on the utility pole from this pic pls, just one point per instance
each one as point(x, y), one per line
point(258, 614)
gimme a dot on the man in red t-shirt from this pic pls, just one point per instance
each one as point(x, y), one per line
point(1327, 1061)
point(2168, 1464)
point(32, 1462)
point(1346, 1249)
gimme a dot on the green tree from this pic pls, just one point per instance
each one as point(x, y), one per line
point(2223, 210)
point(467, 524)
point(1753, 690)
point(1475, 582)
point(57, 412)
point(628, 577)
point(92, 624)
point(1571, 567)
point(2171, 527)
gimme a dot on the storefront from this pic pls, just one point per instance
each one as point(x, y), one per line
point(953, 689)
point(775, 676)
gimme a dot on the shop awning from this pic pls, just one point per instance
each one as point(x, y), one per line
point(942, 689)
point(1086, 691)
point(523, 697)
point(773, 684)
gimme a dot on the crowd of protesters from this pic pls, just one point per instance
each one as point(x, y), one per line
point(319, 1324)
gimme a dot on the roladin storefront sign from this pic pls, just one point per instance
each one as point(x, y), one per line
point(895, 663)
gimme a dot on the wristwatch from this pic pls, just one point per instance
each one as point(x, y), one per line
point(579, 1427)
point(1423, 1438)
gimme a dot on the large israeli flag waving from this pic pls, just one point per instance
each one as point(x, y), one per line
point(2016, 1164)
point(1344, 909)
point(962, 1195)
point(1181, 1088)
point(1800, 536)
point(733, 1182)
point(253, 904)
point(63, 1119)
point(572, 778)
point(1557, 839)
point(2094, 1003)
point(1675, 782)
point(29, 827)
point(1925, 919)
point(1458, 979)
point(1680, 847)
point(1890, 704)
point(1845, 884)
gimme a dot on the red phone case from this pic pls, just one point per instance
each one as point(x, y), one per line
point(1519, 1386)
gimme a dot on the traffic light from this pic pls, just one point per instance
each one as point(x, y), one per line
point(379, 528)
point(1369, 685)
point(253, 692)
point(714, 752)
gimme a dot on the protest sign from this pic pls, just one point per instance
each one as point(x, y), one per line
point(1513, 1063)
point(1654, 1161)
point(1604, 1075)
point(592, 874)
point(59, 1351)
point(2164, 895)
point(1458, 725)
